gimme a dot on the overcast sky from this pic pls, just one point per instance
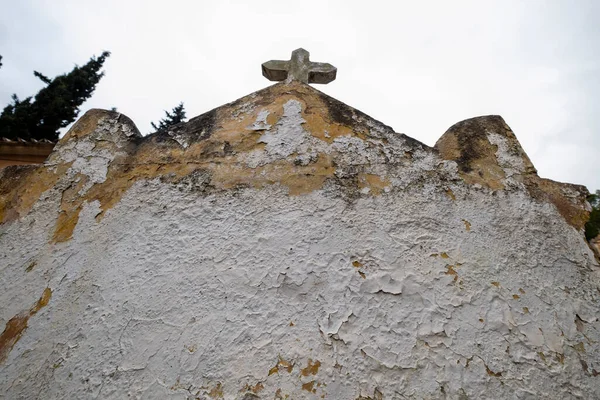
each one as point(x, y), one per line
point(416, 66)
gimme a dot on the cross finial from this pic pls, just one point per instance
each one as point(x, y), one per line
point(299, 68)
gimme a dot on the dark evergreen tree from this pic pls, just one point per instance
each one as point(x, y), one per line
point(176, 116)
point(0, 61)
point(55, 106)
point(592, 227)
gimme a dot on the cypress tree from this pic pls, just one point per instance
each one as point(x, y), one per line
point(55, 106)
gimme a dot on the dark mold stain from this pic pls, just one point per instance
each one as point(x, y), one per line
point(414, 143)
point(343, 114)
point(340, 112)
point(31, 266)
point(201, 126)
point(472, 138)
point(258, 98)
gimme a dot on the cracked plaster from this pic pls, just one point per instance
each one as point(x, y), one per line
point(387, 275)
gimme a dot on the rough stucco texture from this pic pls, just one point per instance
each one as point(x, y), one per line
point(288, 246)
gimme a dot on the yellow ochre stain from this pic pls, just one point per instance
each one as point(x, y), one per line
point(281, 363)
point(308, 386)
point(222, 157)
point(451, 271)
point(467, 225)
point(21, 190)
point(254, 389)
point(18, 324)
point(311, 368)
point(450, 194)
point(483, 170)
point(216, 392)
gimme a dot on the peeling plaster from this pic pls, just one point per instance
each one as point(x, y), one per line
point(261, 122)
point(195, 271)
point(288, 137)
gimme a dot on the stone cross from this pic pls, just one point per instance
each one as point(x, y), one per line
point(299, 68)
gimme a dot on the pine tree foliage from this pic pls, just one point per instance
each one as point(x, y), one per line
point(592, 227)
point(55, 106)
point(174, 117)
point(42, 77)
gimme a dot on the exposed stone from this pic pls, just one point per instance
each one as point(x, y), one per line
point(486, 151)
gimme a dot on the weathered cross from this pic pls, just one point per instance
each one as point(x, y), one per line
point(299, 68)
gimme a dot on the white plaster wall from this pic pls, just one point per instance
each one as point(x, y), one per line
point(417, 287)
point(176, 294)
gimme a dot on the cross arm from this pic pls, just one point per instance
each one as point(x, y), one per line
point(321, 73)
point(275, 70)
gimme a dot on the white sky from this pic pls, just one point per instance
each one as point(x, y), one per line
point(418, 66)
